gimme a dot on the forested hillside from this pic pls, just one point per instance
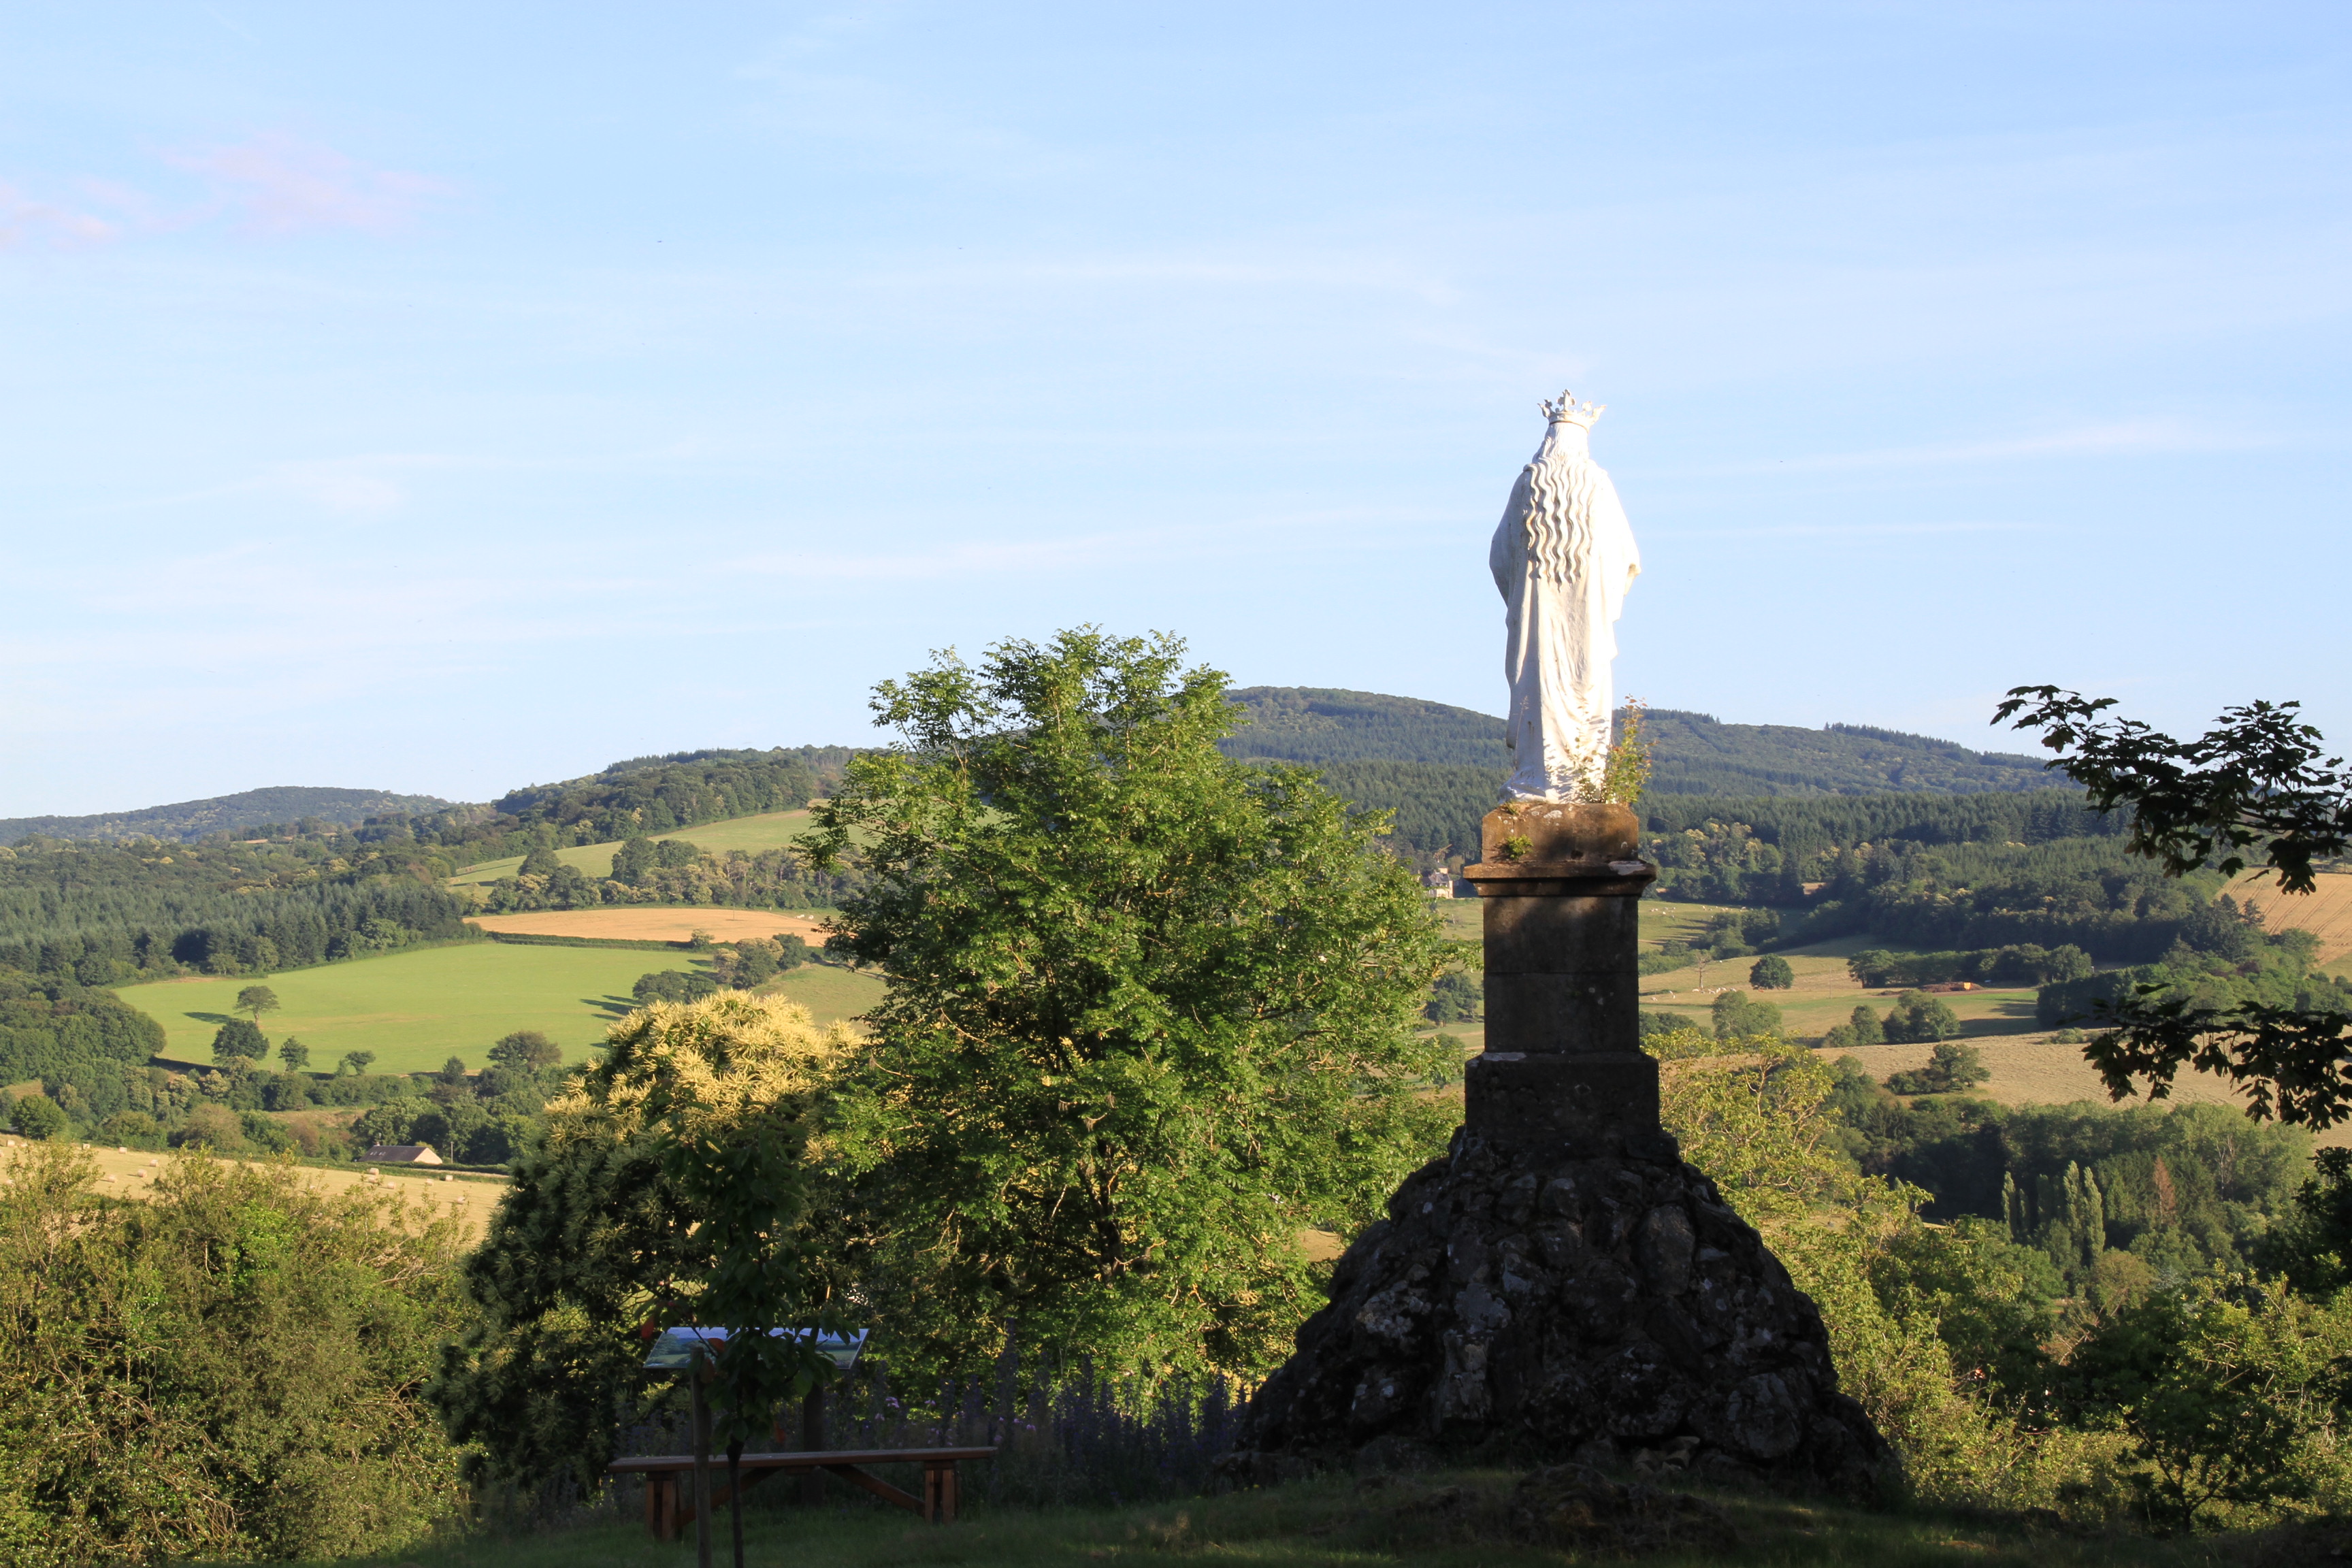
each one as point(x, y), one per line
point(311, 891)
point(193, 820)
point(1691, 753)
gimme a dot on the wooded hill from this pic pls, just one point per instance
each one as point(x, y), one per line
point(1691, 753)
point(311, 891)
point(189, 820)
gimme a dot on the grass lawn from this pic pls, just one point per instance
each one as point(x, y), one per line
point(1445, 1520)
point(416, 1010)
point(772, 830)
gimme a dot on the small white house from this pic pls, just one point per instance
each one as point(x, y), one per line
point(402, 1155)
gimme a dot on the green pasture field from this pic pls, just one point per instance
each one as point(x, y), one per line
point(416, 1010)
point(1825, 994)
point(771, 830)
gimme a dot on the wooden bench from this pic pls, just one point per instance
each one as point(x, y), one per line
point(669, 1480)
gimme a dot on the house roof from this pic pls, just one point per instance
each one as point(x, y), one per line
point(402, 1153)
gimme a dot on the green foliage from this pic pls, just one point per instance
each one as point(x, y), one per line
point(2311, 1245)
point(526, 1048)
point(38, 1117)
point(1770, 974)
point(56, 1029)
point(1149, 1010)
point(359, 1061)
point(255, 1000)
point(1736, 1014)
point(588, 1246)
point(2232, 1391)
point(1456, 999)
point(2189, 1190)
point(2023, 964)
point(191, 820)
point(1918, 1018)
point(294, 1054)
point(1951, 1068)
point(674, 986)
point(239, 1041)
point(228, 1369)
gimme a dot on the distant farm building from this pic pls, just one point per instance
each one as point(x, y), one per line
point(402, 1155)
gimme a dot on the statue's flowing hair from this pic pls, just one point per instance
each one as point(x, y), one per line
point(1559, 513)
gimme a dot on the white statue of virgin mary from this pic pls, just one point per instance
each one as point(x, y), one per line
point(1563, 558)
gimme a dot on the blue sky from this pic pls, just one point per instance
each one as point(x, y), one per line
point(448, 397)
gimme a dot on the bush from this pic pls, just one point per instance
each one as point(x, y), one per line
point(1918, 1018)
point(132, 1129)
point(39, 1117)
point(1456, 999)
point(159, 1409)
point(1772, 973)
point(674, 986)
point(215, 1127)
point(1950, 1069)
point(239, 1040)
point(1737, 1014)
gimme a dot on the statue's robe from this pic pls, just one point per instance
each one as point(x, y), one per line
point(1563, 558)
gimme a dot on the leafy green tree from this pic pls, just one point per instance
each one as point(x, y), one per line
point(452, 1074)
point(238, 1041)
point(1770, 973)
point(540, 862)
point(38, 1117)
point(674, 986)
point(255, 1000)
point(1456, 999)
point(1951, 1068)
point(633, 858)
point(1919, 1018)
point(1149, 1011)
point(359, 1061)
point(294, 1055)
point(390, 1122)
point(527, 1048)
point(1737, 1014)
point(586, 1250)
point(2229, 1389)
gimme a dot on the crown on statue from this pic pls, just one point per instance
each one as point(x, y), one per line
point(1573, 412)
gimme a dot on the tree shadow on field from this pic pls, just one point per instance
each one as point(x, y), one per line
point(216, 1019)
point(619, 1006)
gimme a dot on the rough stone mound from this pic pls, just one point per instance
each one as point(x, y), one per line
point(1597, 1303)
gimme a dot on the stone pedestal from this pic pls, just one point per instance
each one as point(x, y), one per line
point(1560, 886)
point(1559, 1285)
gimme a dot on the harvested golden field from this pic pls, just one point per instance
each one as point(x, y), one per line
point(468, 1195)
point(2326, 912)
point(656, 922)
point(2033, 1069)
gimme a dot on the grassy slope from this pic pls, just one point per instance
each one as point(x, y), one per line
point(750, 834)
point(1332, 1521)
point(416, 1010)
